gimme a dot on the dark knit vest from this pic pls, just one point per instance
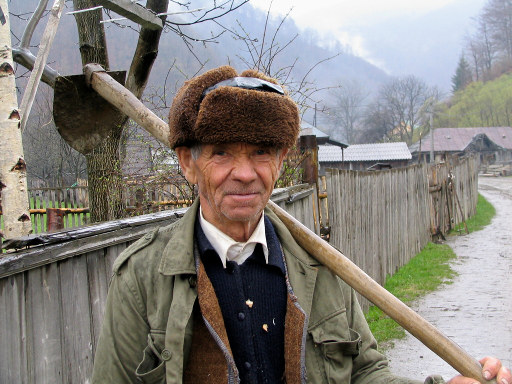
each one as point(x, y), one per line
point(252, 298)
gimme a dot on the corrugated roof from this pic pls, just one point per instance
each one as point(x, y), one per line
point(457, 139)
point(377, 152)
point(329, 154)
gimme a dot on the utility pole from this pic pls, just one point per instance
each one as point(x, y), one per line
point(432, 160)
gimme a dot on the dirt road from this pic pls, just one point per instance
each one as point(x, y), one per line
point(476, 310)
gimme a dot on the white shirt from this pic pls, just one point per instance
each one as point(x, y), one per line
point(229, 249)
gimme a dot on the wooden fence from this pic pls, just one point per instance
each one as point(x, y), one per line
point(138, 199)
point(52, 296)
point(73, 199)
point(380, 220)
point(453, 188)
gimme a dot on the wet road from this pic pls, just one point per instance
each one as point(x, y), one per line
point(476, 310)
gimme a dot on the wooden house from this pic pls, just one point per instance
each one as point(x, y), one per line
point(493, 144)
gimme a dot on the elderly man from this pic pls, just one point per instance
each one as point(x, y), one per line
point(225, 295)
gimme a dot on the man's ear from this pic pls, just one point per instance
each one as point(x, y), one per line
point(282, 155)
point(187, 163)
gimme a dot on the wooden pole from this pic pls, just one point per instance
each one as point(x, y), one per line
point(393, 307)
point(126, 102)
point(40, 63)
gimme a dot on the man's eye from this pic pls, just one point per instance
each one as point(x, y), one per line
point(260, 152)
point(220, 153)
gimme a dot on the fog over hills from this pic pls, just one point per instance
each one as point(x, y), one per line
point(303, 53)
point(426, 46)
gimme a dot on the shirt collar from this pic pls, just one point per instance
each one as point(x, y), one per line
point(229, 249)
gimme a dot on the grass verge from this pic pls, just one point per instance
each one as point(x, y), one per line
point(424, 273)
point(484, 213)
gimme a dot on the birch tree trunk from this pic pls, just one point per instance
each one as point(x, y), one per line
point(13, 177)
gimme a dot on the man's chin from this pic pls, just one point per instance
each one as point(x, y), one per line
point(247, 213)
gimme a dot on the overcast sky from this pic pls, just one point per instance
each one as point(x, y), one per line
point(354, 22)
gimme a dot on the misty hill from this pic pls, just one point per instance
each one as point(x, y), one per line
point(303, 53)
point(427, 45)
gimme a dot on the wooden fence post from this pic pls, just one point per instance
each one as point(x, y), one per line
point(54, 219)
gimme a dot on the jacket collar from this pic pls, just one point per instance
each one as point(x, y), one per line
point(178, 254)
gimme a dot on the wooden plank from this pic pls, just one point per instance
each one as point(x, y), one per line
point(135, 12)
point(44, 325)
point(25, 260)
point(93, 230)
point(13, 359)
point(99, 277)
point(76, 324)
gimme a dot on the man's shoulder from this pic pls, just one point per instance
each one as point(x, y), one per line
point(149, 248)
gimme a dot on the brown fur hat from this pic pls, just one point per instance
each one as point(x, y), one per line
point(231, 114)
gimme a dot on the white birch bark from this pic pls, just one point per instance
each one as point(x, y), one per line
point(13, 177)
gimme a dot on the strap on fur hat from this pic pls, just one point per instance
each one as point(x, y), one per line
point(247, 83)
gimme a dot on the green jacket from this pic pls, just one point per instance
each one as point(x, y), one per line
point(147, 329)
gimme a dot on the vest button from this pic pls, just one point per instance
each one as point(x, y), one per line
point(166, 355)
point(247, 365)
point(241, 316)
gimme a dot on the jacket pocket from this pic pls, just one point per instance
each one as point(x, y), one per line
point(335, 346)
point(151, 370)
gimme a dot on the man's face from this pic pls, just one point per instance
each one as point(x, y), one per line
point(235, 181)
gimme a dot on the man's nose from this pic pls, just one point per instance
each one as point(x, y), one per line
point(244, 170)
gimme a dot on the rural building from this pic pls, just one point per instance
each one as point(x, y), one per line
point(364, 156)
point(493, 144)
point(322, 138)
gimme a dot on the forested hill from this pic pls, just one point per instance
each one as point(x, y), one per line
point(480, 104)
point(303, 53)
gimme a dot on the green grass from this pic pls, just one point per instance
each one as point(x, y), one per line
point(484, 214)
point(424, 273)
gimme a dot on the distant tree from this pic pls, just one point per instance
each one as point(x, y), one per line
point(490, 47)
point(480, 105)
point(497, 16)
point(347, 112)
point(463, 75)
point(50, 160)
point(396, 111)
point(377, 123)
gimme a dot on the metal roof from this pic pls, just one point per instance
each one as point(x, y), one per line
point(377, 152)
point(457, 139)
point(307, 129)
point(329, 154)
